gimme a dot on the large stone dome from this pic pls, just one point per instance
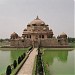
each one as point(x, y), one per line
point(37, 21)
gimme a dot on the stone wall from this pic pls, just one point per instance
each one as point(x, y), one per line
point(21, 43)
point(49, 42)
point(64, 42)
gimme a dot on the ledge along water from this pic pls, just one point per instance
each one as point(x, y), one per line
point(27, 68)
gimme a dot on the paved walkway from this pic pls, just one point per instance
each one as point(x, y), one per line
point(28, 65)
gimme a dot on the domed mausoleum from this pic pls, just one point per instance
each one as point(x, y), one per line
point(37, 34)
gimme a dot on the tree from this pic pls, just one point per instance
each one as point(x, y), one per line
point(7, 39)
point(19, 60)
point(1, 40)
point(24, 54)
point(15, 64)
point(21, 57)
point(70, 40)
point(8, 71)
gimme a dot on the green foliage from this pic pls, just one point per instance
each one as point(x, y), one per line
point(19, 60)
point(8, 71)
point(17, 53)
point(15, 64)
point(39, 67)
point(70, 40)
point(24, 54)
point(30, 48)
point(1, 40)
point(22, 57)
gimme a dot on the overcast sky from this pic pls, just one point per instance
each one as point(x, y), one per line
point(16, 14)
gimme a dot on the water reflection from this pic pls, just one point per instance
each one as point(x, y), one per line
point(63, 55)
point(60, 55)
point(59, 62)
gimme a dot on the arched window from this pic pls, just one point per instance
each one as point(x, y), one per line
point(42, 36)
point(30, 36)
point(27, 36)
point(39, 36)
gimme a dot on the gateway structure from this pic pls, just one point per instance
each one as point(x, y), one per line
point(38, 34)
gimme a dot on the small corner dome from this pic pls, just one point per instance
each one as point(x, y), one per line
point(14, 34)
point(63, 33)
point(37, 21)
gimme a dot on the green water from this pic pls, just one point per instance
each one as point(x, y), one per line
point(7, 58)
point(59, 62)
point(55, 62)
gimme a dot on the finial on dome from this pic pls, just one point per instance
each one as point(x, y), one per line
point(37, 17)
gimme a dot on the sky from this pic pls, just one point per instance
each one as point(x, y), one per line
point(16, 14)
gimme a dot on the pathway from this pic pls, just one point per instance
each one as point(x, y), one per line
point(28, 65)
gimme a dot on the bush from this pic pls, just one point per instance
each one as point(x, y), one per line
point(39, 67)
point(22, 57)
point(8, 70)
point(19, 60)
point(15, 64)
point(30, 48)
point(24, 54)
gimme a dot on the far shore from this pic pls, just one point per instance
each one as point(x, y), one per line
point(9, 49)
point(59, 48)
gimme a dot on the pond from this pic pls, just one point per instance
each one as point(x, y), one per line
point(59, 62)
point(7, 58)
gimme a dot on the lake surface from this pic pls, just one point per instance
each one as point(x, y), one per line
point(56, 62)
point(59, 62)
point(7, 58)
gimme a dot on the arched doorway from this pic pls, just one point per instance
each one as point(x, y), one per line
point(36, 44)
